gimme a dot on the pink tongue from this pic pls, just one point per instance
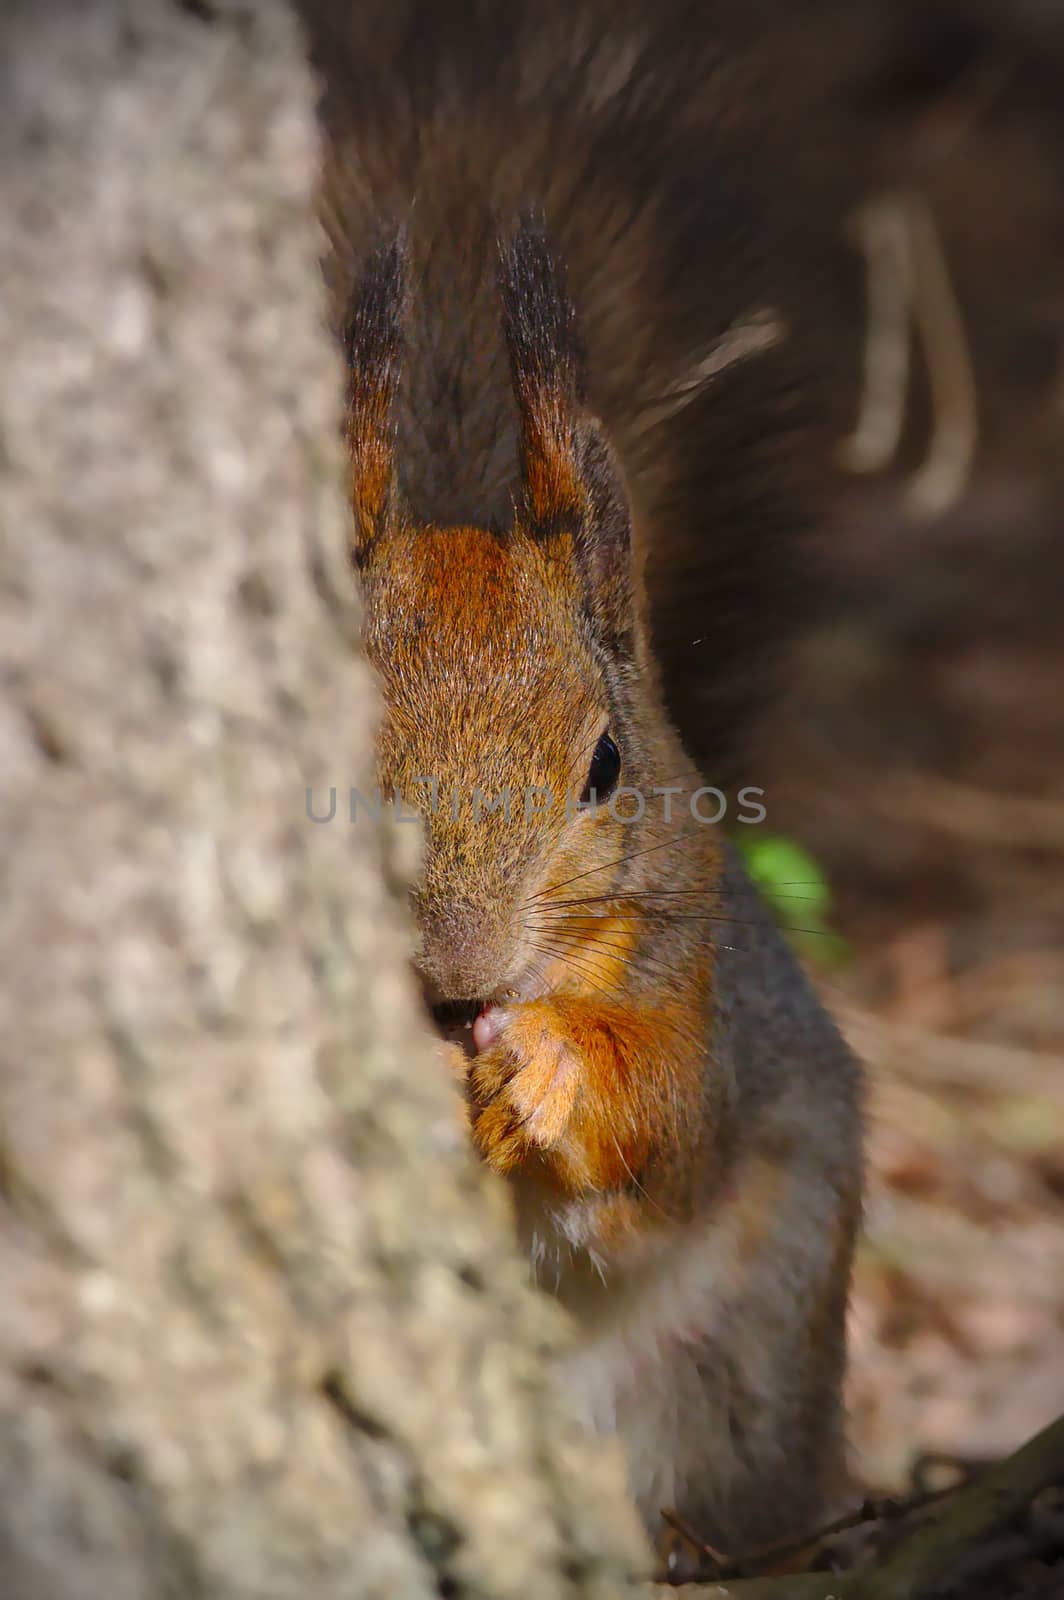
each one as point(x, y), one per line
point(486, 1029)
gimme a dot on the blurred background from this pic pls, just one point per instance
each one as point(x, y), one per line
point(916, 775)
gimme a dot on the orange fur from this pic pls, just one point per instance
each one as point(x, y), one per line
point(654, 1101)
point(552, 482)
point(586, 1085)
point(371, 456)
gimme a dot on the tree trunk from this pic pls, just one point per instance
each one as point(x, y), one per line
point(263, 1330)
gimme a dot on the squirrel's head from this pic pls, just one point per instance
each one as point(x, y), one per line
point(516, 701)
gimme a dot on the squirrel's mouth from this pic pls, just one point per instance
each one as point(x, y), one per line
point(457, 1013)
point(454, 1020)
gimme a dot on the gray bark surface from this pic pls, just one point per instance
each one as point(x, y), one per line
point(263, 1329)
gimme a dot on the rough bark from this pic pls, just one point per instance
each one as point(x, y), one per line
point(263, 1332)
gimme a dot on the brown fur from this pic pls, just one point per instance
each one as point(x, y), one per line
point(633, 134)
point(674, 1110)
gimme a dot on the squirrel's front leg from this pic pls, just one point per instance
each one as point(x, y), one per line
point(586, 1086)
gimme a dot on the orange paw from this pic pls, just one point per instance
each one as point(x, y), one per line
point(455, 1063)
point(524, 1083)
point(453, 1059)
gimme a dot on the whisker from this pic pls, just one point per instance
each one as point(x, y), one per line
point(667, 917)
point(668, 969)
point(662, 844)
point(602, 943)
point(635, 1181)
point(587, 972)
point(562, 949)
point(655, 894)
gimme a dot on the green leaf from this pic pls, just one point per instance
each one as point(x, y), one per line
point(797, 891)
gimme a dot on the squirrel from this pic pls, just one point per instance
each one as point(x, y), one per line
point(578, 428)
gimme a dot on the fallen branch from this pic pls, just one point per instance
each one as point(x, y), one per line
point(770, 1558)
point(949, 1544)
point(973, 1513)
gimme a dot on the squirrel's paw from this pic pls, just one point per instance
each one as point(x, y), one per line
point(456, 1063)
point(453, 1058)
point(523, 1082)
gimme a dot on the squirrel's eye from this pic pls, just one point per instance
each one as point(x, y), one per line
point(605, 770)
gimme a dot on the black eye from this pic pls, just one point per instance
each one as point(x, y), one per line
point(605, 770)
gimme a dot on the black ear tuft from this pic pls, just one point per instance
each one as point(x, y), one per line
point(373, 341)
point(572, 482)
point(545, 364)
point(540, 322)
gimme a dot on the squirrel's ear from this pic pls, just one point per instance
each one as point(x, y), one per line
point(603, 540)
point(571, 479)
point(373, 346)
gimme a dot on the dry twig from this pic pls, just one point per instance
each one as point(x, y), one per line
point(949, 1544)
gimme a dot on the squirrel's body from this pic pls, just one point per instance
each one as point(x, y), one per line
point(719, 1359)
point(579, 443)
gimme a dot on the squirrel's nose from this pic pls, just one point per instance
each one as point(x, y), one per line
point(459, 955)
point(458, 973)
